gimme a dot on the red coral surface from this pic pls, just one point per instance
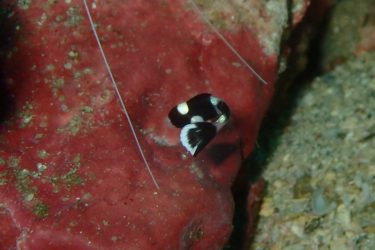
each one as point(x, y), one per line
point(71, 176)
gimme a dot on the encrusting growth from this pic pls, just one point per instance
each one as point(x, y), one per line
point(121, 100)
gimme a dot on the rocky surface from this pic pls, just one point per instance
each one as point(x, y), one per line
point(321, 167)
point(70, 173)
point(321, 175)
point(350, 31)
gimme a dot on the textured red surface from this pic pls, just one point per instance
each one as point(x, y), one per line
point(254, 201)
point(70, 174)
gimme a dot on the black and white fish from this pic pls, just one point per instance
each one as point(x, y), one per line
point(200, 119)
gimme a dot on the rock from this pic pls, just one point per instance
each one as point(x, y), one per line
point(334, 122)
point(71, 175)
point(349, 32)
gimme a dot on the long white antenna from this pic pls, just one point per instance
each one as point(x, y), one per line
point(200, 12)
point(119, 95)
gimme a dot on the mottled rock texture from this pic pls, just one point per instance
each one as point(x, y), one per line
point(350, 31)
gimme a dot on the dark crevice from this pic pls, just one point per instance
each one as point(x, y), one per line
point(289, 86)
point(7, 37)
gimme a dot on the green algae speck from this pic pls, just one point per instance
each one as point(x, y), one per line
point(71, 179)
point(3, 178)
point(23, 183)
point(24, 4)
point(58, 83)
point(41, 168)
point(72, 127)
point(40, 210)
point(77, 160)
point(13, 162)
point(54, 181)
point(73, 17)
point(42, 154)
point(38, 136)
point(86, 109)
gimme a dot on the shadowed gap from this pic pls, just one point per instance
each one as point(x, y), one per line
point(289, 86)
point(7, 37)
